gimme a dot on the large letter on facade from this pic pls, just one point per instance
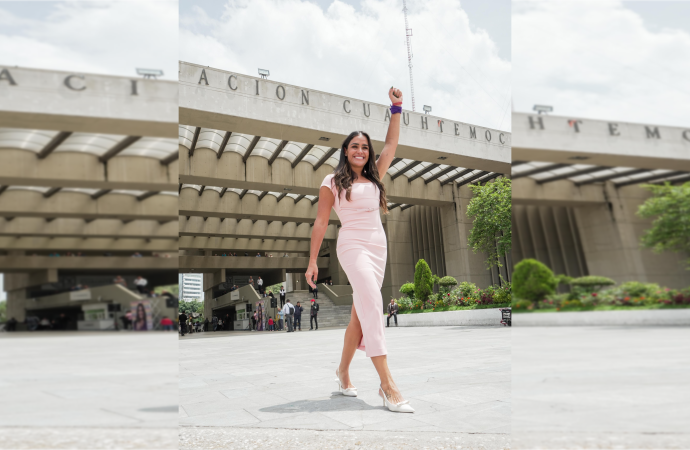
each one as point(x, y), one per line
point(652, 133)
point(6, 75)
point(539, 121)
point(203, 77)
point(68, 82)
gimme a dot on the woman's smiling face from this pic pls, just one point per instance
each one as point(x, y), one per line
point(358, 152)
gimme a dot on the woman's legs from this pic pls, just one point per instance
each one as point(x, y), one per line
point(387, 383)
point(353, 335)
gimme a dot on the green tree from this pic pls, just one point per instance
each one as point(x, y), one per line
point(3, 311)
point(192, 306)
point(491, 209)
point(670, 208)
point(532, 280)
point(423, 281)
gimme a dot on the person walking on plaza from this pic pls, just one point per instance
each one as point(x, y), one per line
point(215, 322)
point(206, 324)
point(270, 324)
point(253, 322)
point(281, 313)
point(357, 194)
point(313, 313)
point(183, 323)
point(289, 311)
point(298, 316)
point(392, 311)
point(282, 296)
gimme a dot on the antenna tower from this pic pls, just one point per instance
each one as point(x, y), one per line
point(408, 35)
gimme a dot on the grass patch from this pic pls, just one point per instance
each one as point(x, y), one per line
point(601, 308)
point(456, 308)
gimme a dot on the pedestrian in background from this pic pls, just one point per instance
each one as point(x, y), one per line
point(289, 311)
point(281, 320)
point(392, 311)
point(282, 296)
point(183, 323)
point(270, 324)
point(314, 312)
point(254, 322)
point(316, 290)
point(298, 316)
point(167, 323)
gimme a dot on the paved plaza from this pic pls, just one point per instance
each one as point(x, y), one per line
point(600, 387)
point(88, 390)
point(277, 390)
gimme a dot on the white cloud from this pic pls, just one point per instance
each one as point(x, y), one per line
point(599, 60)
point(100, 37)
point(360, 53)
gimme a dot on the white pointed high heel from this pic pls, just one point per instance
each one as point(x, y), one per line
point(403, 406)
point(348, 392)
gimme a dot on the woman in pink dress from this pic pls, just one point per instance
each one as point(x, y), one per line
point(357, 194)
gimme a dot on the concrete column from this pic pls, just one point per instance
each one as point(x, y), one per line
point(461, 262)
point(551, 240)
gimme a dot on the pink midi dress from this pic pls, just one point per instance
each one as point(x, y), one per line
point(362, 252)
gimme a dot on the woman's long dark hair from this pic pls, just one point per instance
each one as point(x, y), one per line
point(344, 176)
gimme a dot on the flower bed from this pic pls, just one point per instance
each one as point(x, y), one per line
point(463, 296)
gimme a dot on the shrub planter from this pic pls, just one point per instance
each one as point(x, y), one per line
point(470, 317)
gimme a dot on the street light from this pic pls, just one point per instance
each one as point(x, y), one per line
point(543, 109)
point(264, 73)
point(150, 73)
point(427, 109)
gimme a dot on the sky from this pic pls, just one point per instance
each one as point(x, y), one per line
point(357, 49)
point(610, 60)
point(107, 37)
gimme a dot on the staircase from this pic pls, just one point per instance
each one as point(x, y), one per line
point(330, 315)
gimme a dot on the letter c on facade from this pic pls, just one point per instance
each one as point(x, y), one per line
point(230, 82)
point(346, 102)
point(68, 82)
point(500, 138)
point(686, 135)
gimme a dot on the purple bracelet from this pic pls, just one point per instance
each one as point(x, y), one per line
point(396, 109)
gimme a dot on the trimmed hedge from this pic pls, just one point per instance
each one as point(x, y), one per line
point(533, 280)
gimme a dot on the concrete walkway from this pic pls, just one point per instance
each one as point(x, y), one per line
point(600, 387)
point(279, 389)
point(88, 390)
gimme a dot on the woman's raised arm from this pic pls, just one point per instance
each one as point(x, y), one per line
point(388, 152)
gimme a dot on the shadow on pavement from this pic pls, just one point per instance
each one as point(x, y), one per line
point(337, 402)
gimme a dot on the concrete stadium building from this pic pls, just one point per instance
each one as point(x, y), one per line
point(253, 153)
point(576, 191)
point(88, 178)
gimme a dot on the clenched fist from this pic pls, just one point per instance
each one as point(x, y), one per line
point(395, 95)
